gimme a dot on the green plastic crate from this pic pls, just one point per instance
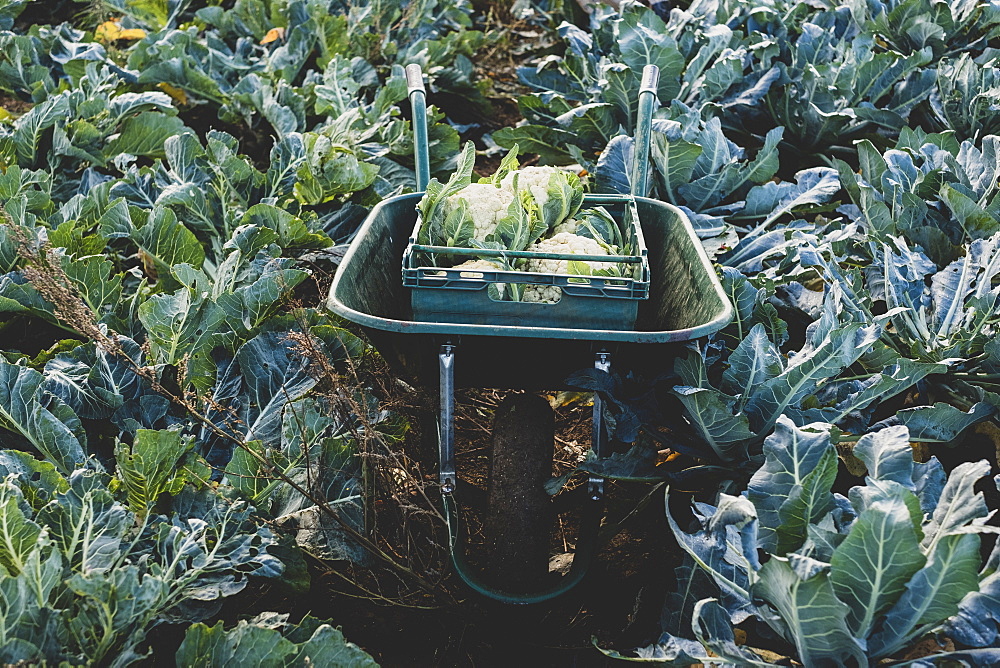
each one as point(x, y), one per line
point(440, 294)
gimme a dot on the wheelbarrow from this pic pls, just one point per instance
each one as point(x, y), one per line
point(686, 302)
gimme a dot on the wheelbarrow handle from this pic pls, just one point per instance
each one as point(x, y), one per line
point(648, 101)
point(418, 104)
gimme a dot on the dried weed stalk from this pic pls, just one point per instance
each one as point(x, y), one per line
point(402, 514)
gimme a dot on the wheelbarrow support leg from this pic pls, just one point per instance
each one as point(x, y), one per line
point(598, 440)
point(446, 419)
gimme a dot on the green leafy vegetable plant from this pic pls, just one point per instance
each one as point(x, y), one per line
point(843, 580)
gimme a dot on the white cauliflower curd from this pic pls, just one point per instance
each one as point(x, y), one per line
point(533, 179)
point(469, 269)
point(571, 244)
point(541, 294)
point(561, 242)
point(569, 227)
point(478, 265)
point(487, 206)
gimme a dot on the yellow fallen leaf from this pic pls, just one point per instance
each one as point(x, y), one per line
point(567, 397)
point(111, 31)
point(179, 96)
point(273, 35)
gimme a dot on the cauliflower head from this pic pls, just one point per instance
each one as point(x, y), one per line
point(569, 227)
point(533, 179)
point(496, 290)
point(570, 244)
point(487, 206)
point(541, 294)
point(479, 265)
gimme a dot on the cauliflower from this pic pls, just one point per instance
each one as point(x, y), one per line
point(487, 206)
point(479, 265)
point(470, 266)
point(533, 179)
point(541, 294)
point(570, 244)
point(569, 227)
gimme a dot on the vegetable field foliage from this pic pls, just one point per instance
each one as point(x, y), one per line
point(180, 420)
point(839, 163)
point(176, 402)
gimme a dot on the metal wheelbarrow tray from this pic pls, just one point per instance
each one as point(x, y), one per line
point(686, 302)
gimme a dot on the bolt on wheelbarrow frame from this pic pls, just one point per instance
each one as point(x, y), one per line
point(686, 302)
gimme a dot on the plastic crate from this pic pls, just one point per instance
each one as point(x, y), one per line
point(440, 294)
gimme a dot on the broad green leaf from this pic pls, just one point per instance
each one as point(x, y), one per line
point(257, 645)
point(960, 505)
point(806, 503)
point(28, 129)
point(887, 454)
point(793, 485)
point(184, 326)
point(770, 201)
point(836, 352)
point(244, 471)
point(724, 547)
point(149, 467)
point(941, 422)
point(977, 623)
point(544, 141)
point(976, 222)
point(904, 374)
point(327, 646)
point(144, 135)
point(643, 40)
point(754, 361)
point(330, 169)
point(619, 83)
point(86, 524)
point(76, 378)
point(715, 417)
point(168, 242)
point(675, 159)
point(932, 595)
point(432, 203)
point(45, 424)
point(565, 195)
point(96, 283)
point(613, 171)
point(812, 614)
point(714, 628)
point(18, 533)
point(870, 569)
point(38, 479)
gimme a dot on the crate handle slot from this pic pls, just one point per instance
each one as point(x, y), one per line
point(648, 101)
point(418, 103)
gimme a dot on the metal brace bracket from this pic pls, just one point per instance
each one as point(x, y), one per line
point(446, 419)
point(598, 440)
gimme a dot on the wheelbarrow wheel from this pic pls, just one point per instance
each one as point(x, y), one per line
point(519, 512)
